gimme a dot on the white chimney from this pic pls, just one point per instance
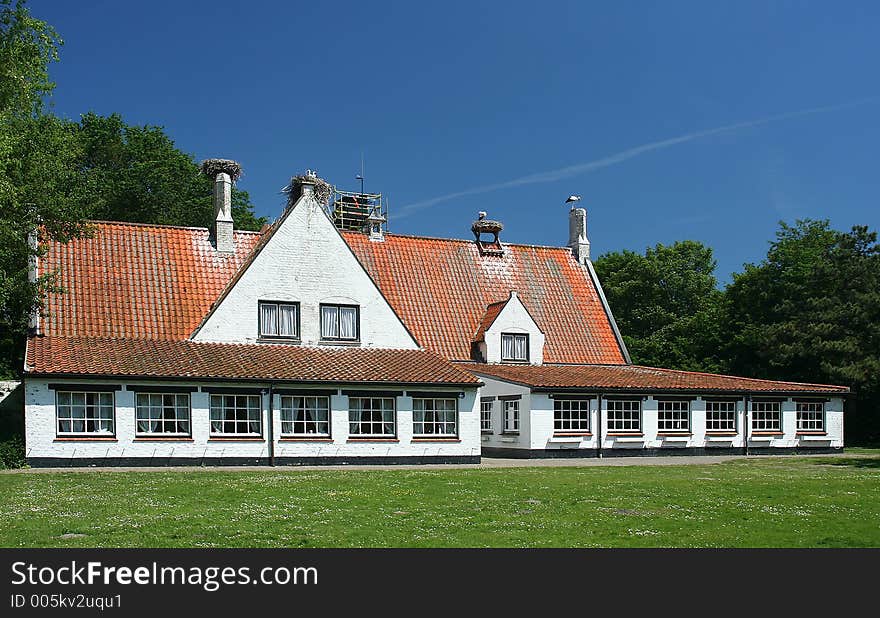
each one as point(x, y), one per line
point(577, 235)
point(224, 172)
point(33, 264)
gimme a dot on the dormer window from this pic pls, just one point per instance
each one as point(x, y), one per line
point(340, 323)
point(279, 320)
point(514, 348)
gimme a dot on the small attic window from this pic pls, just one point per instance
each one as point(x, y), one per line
point(279, 320)
point(514, 348)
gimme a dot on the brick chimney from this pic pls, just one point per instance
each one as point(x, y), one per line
point(577, 234)
point(224, 172)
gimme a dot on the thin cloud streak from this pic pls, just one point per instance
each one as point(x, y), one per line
point(620, 157)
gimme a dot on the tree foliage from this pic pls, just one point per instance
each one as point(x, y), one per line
point(666, 303)
point(811, 312)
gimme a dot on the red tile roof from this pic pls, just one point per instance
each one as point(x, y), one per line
point(492, 312)
point(87, 356)
point(140, 281)
point(441, 287)
point(637, 378)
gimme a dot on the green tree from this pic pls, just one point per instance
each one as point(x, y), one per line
point(811, 312)
point(139, 175)
point(666, 303)
point(39, 180)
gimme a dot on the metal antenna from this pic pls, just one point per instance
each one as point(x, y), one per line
point(361, 175)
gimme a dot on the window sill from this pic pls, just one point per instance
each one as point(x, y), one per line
point(625, 434)
point(305, 439)
point(766, 434)
point(722, 433)
point(236, 439)
point(811, 433)
point(509, 433)
point(343, 342)
point(376, 439)
point(507, 361)
point(487, 432)
point(85, 439)
point(674, 434)
point(449, 439)
point(163, 439)
point(290, 340)
point(572, 434)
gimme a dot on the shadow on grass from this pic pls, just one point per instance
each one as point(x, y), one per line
point(853, 462)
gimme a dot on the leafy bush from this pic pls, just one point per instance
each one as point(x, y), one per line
point(12, 453)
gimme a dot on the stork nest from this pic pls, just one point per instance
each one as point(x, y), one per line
point(487, 226)
point(212, 167)
point(323, 189)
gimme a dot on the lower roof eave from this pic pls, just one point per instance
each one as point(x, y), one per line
point(251, 380)
point(685, 391)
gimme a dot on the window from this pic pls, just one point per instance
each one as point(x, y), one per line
point(339, 323)
point(305, 416)
point(236, 415)
point(571, 415)
point(514, 347)
point(625, 415)
point(279, 320)
point(673, 416)
point(511, 416)
point(810, 416)
point(165, 413)
point(432, 417)
point(486, 416)
point(721, 416)
point(371, 416)
point(767, 416)
point(84, 413)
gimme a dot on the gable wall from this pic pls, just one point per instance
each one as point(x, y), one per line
point(514, 319)
point(306, 261)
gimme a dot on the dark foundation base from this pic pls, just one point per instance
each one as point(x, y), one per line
point(134, 462)
point(513, 453)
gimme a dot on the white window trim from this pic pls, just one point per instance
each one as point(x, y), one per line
point(608, 416)
point(511, 405)
point(221, 434)
point(571, 420)
point(85, 418)
point(454, 434)
point(291, 408)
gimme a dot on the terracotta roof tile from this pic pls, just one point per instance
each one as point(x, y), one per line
point(492, 312)
point(139, 281)
point(637, 378)
point(189, 359)
point(441, 288)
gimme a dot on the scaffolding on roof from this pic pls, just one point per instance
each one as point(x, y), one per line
point(354, 211)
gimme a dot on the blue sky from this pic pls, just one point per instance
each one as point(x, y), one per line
point(448, 97)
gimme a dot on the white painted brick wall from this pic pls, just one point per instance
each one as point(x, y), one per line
point(308, 262)
point(40, 431)
point(536, 410)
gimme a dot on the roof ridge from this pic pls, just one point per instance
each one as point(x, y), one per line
point(460, 240)
point(162, 225)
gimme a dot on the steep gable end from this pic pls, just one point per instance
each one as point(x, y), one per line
point(305, 262)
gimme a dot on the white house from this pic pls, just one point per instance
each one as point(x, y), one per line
point(310, 342)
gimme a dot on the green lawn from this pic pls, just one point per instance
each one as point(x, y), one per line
point(779, 502)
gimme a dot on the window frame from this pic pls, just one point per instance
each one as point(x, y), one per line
point(454, 401)
point(528, 348)
point(170, 434)
point(559, 402)
point(638, 431)
point(765, 430)
point(293, 423)
point(278, 304)
point(222, 434)
point(491, 428)
point(85, 419)
point(515, 408)
point(734, 412)
point(338, 306)
point(373, 436)
point(687, 417)
point(798, 420)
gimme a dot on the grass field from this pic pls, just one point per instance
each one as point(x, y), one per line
point(778, 502)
